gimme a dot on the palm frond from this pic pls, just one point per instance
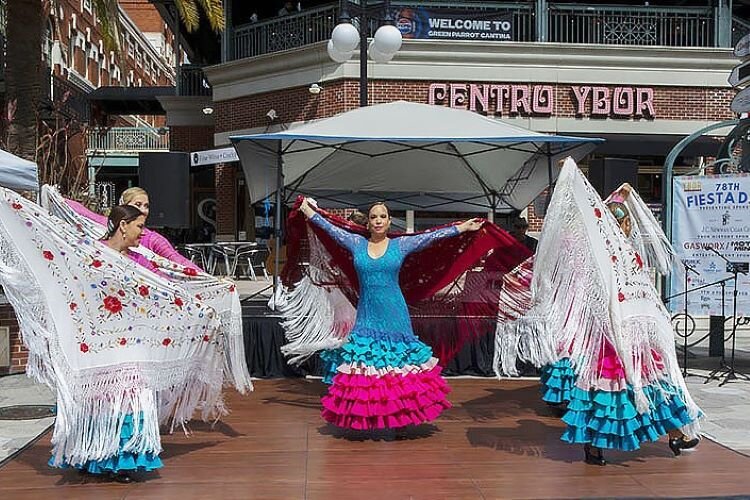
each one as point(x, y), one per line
point(188, 12)
point(214, 11)
point(107, 11)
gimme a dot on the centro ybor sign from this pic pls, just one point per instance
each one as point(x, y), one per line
point(541, 100)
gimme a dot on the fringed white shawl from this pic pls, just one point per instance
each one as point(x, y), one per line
point(590, 288)
point(317, 315)
point(110, 336)
point(218, 293)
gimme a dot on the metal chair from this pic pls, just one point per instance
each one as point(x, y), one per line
point(195, 255)
point(256, 259)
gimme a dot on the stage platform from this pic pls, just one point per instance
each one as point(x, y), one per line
point(499, 441)
point(264, 337)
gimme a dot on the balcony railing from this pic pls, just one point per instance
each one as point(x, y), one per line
point(127, 140)
point(558, 22)
point(192, 82)
point(63, 97)
point(283, 33)
point(631, 25)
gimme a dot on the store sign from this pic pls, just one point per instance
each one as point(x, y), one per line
point(449, 24)
point(539, 100)
point(213, 156)
point(711, 211)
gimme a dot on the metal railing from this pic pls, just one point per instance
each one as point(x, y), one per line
point(631, 25)
point(284, 33)
point(128, 139)
point(64, 97)
point(192, 81)
point(558, 22)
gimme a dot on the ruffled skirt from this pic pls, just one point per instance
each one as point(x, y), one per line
point(123, 461)
point(610, 420)
point(557, 381)
point(380, 382)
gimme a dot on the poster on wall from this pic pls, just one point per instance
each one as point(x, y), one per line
point(711, 213)
point(451, 24)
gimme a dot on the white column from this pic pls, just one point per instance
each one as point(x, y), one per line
point(410, 221)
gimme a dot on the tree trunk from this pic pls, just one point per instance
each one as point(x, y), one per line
point(23, 74)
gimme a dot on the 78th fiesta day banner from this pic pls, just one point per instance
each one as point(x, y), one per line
point(711, 211)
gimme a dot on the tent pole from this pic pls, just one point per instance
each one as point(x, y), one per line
point(549, 178)
point(279, 201)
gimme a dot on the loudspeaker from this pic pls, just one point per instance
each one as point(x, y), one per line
point(607, 174)
point(166, 178)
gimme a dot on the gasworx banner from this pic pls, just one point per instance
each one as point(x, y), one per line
point(711, 216)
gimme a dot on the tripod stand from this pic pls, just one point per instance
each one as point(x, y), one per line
point(725, 371)
point(686, 293)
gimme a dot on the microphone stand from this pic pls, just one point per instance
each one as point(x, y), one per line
point(687, 291)
point(685, 334)
point(729, 372)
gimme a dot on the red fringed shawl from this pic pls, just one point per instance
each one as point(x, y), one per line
point(467, 305)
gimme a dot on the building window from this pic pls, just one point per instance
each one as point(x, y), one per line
point(47, 43)
point(86, 5)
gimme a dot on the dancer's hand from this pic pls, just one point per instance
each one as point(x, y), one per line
point(625, 190)
point(307, 207)
point(470, 225)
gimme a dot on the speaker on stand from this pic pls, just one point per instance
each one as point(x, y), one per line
point(166, 178)
point(607, 174)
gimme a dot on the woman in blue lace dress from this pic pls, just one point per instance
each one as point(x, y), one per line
point(384, 376)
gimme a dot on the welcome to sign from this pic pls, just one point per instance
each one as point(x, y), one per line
point(539, 100)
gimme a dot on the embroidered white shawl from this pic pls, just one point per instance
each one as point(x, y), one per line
point(590, 287)
point(110, 336)
point(219, 293)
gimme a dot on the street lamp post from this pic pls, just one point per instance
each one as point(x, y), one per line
point(345, 38)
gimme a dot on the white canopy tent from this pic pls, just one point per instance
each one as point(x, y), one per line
point(414, 156)
point(17, 173)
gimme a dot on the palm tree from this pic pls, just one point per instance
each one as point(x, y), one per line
point(188, 11)
point(23, 75)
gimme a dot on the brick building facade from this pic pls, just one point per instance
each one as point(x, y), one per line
point(73, 46)
point(73, 50)
point(623, 105)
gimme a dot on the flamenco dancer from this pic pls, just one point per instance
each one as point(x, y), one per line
point(596, 316)
point(125, 229)
point(642, 230)
point(382, 376)
point(125, 350)
point(386, 377)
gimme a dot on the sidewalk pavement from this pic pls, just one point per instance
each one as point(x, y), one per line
point(16, 434)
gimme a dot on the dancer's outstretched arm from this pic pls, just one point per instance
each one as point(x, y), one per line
point(341, 236)
point(416, 242)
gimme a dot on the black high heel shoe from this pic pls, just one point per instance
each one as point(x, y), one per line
point(592, 459)
point(121, 477)
point(680, 443)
